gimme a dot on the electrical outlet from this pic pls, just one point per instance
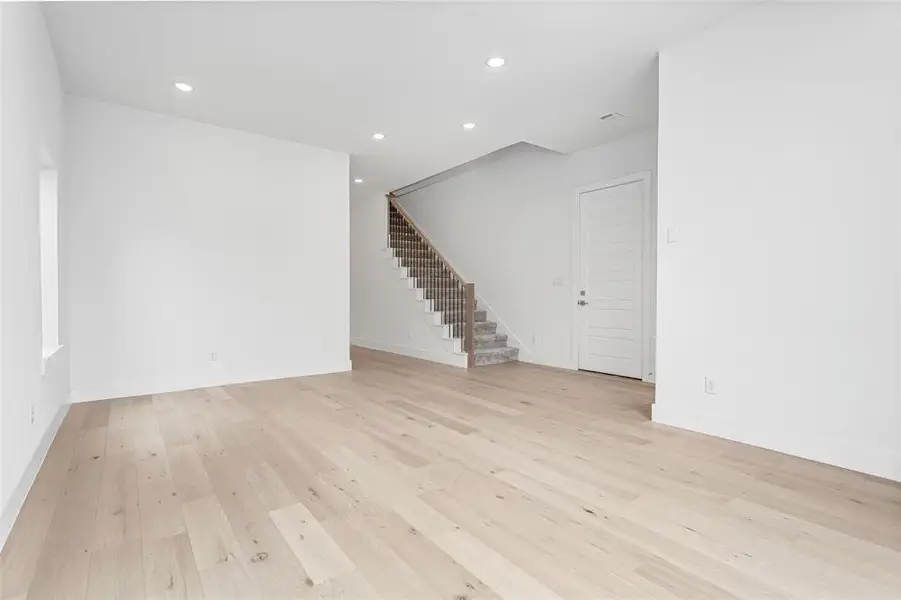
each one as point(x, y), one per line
point(32, 414)
point(709, 386)
point(213, 357)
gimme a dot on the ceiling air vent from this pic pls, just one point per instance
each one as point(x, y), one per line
point(612, 116)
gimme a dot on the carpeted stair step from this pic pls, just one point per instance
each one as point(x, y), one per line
point(484, 327)
point(493, 356)
point(491, 340)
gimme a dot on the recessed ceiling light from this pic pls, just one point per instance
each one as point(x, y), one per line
point(468, 126)
point(184, 87)
point(378, 136)
point(495, 62)
point(357, 180)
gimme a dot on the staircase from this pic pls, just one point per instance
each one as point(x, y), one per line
point(446, 292)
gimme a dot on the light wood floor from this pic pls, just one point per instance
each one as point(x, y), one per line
point(410, 480)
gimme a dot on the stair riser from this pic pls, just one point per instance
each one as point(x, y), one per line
point(498, 343)
point(493, 358)
point(484, 327)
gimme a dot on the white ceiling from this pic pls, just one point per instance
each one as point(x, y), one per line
point(331, 74)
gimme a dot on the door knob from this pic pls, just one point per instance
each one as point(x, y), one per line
point(582, 303)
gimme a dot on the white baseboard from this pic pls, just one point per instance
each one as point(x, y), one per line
point(164, 387)
point(17, 498)
point(454, 359)
point(839, 453)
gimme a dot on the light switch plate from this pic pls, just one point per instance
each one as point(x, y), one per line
point(670, 236)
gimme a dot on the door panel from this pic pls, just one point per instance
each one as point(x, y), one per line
point(610, 323)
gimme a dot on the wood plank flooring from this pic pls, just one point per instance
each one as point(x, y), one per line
point(410, 480)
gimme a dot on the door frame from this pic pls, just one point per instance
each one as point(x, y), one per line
point(647, 266)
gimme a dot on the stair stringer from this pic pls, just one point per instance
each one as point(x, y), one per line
point(452, 346)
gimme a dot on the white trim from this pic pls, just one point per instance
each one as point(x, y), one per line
point(17, 498)
point(180, 385)
point(647, 258)
point(46, 356)
point(454, 359)
point(873, 460)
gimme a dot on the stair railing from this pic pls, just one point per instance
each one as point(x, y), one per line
point(441, 285)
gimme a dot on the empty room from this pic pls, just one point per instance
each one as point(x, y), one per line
point(450, 300)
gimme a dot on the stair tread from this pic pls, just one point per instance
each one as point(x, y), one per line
point(493, 356)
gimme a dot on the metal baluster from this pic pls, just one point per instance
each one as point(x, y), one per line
point(454, 301)
point(453, 304)
point(456, 307)
point(460, 304)
point(436, 269)
point(458, 330)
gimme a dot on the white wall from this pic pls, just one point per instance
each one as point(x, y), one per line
point(385, 312)
point(780, 147)
point(188, 239)
point(31, 105)
point(508, 227)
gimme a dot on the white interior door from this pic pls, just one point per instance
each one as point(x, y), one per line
point(610, 264)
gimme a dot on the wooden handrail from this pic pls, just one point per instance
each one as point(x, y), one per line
point(392, 199)
point(443, 287)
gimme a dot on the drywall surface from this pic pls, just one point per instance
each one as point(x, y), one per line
point(200, 255)
point(780, 142)
point(31, 105)
point(508, 226)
